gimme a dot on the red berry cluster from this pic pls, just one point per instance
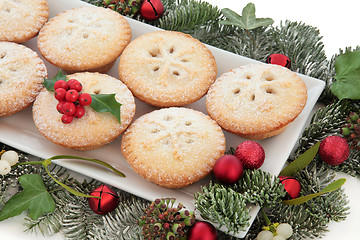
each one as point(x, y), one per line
point(71, 102)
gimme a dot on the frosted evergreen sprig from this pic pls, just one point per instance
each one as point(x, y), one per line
point(121, 224)
point(326, 121)
point(223, 206)
point(351, 166)
point(306, 53)
point(188, 16)
point(334, 204)
point(72, 213)
point(260, 188)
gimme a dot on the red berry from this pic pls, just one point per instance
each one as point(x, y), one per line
point(70, 81)
point(72, 95)
point(60, 107)
point(74, 84)
point(69, 108)
point(80, 111)
point(85, 99)
point(66, 119)
point(60, 84)
point(60, 94)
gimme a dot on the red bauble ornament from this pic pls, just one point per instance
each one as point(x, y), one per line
point(202, 231)
point(251, 154)
point(279, 59)
point(108, 202)
point(151, 9)
point(291, 185)
point(334, 150)
point(228, 169)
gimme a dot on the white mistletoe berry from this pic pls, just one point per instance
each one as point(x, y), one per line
point(279, 237)
point(265, 235)
point(5, 167)
point(284, 229)
point(11, 157)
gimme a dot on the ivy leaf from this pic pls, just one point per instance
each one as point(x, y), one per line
point(247, 21)
point(106, 103)
point(329, 188)
point(301, 162)
point(49, 83)
point(34, 197)
point(347, 68)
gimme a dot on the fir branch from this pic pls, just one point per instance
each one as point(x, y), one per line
point(72, 213)
point(48, 224)
point(223, 206)
point(326, 121)
point(258, 46)
point(123, 222)
point(314, 179)
point(260, 188)
point(188, 15)
point(351, 166)
point(303, 45)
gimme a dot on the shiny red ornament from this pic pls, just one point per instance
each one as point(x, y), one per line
point(108, 202)
point(251, 154)
point(334, 150)
point(291, 186)
point(228, 169)
point(151, 10)
point(279, 59)
point(202, 231)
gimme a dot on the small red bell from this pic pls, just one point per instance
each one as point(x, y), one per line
point(108, 202)
point(279, 59)
point(291, 186)
point(151, 9)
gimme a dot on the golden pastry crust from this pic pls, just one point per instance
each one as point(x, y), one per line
point(94, 129)
point(21, 20)
point(173, 147)
point(84, 39)
point(21, 75)
point(256, 101)
point(167, 69)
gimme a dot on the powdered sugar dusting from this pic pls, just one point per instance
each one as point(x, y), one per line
point(167, 68)
point(84, 38)
point(22, 20)
point(173, 147)
point(256, 99)
point(21, 75)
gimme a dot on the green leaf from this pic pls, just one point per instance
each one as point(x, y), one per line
point(34, 197)
point(347, 69)
point(71, 190)
point(301, 162)
point(247, 21)
point(49, 83)
point(88, 159)
point(106, 103)
point(331, 187)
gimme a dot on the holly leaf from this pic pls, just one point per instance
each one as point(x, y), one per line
point(329, 188)
point(49, 83)
point(347, 69)
point(247, 21)
point(34, 197)
point(301, 162)
point(106, 103)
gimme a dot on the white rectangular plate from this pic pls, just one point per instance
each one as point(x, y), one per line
point(20, 132)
